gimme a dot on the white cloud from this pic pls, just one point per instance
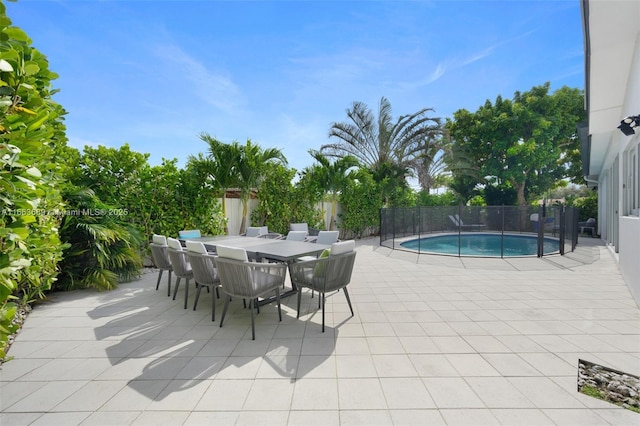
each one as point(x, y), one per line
point(215, 88)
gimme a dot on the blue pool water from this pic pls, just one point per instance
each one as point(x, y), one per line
point(485, 245)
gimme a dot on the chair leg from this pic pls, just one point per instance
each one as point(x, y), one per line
point(322, 296)
point(346, 294)
point(217, 292)
point(169, 284)
point(253, 328)
point(213, 306)
point(186, 293)
point(299, 298)
point(175, 290)
point(159, 278)
point(224, 310)
point(256, 304)
point(278, 300)
point(195, 303)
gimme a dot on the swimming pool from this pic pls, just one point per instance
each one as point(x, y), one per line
point(481, 244)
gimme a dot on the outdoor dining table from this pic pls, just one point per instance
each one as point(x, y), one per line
point(260, 248)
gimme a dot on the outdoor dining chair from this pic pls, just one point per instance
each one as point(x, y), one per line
point(327, 237)
point(299, 227)
point(261, 232)
point(205, 273)
point(248, 280)
point(330, 272)
point(161, 259)
point(181, 267)
point(296, 236)
point(189, 233)
point(324, 237)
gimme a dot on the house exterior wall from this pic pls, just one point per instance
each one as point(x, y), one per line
point(619, 187)
point(629, 257)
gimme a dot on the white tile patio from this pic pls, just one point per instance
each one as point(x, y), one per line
point(435, 340)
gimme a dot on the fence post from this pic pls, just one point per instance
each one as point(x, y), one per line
point(502, 234)
point(563, 222)
point(541, 221)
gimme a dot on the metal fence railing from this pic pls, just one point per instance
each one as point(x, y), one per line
point(551, 230)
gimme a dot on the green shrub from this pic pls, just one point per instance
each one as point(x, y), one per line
point(31, 132)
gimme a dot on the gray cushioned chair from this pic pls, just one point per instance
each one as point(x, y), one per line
point(181, 267)
point(161, 259)
point(205, 273)
point(325, 274)
point(248, 280)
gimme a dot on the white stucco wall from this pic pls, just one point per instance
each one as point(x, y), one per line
point(628, 232)
point(629, 256)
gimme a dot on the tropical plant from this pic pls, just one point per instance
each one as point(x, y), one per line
point(103, 248)
point(251, 167)
point(361, 203)
point(220, 166)
point(31, 131)
point(374, 142)
point(330, 178)
point(276, 203)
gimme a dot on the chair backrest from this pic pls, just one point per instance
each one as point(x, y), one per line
point(327, 237)
point(339, 270)
point(203, 266)
point(299, 227)
point(334, 272)
point(296, 235)
point(454, 220)
point(159, 239)
point(235, 272)
point(256, 231)
point(342, 247)
point(189, 233)
point(591, 221)
point(196, 247)
point(178, 257)
point(160, 256)
point(174, 244)
point(234, 253)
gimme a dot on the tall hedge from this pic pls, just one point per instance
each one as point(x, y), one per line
point(31, 130)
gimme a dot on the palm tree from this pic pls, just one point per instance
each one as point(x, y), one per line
point(375, 142)
point(330, 177)
point(251, 168)
point(221, 166)
point(100, 249)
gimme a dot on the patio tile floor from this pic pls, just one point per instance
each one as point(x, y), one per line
point(435, 340)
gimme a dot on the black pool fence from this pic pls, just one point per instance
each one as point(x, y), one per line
point(558, 224)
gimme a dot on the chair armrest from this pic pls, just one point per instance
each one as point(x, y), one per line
point(272, 236)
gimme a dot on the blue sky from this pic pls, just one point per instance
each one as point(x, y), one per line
point(155, 74)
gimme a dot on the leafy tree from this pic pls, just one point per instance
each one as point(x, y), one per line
point(199, 198)
point(31, 131)
point(447, 198)
point(330, 177)
point(392, 182)
point(220, 166)
point(407, 143)
point(431, 167)
point(521, 142)
point(276, 201)
point(251, 167)
point(113, 174)
point(361, 202)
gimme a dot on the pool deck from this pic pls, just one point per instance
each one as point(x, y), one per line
point(435, 340)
